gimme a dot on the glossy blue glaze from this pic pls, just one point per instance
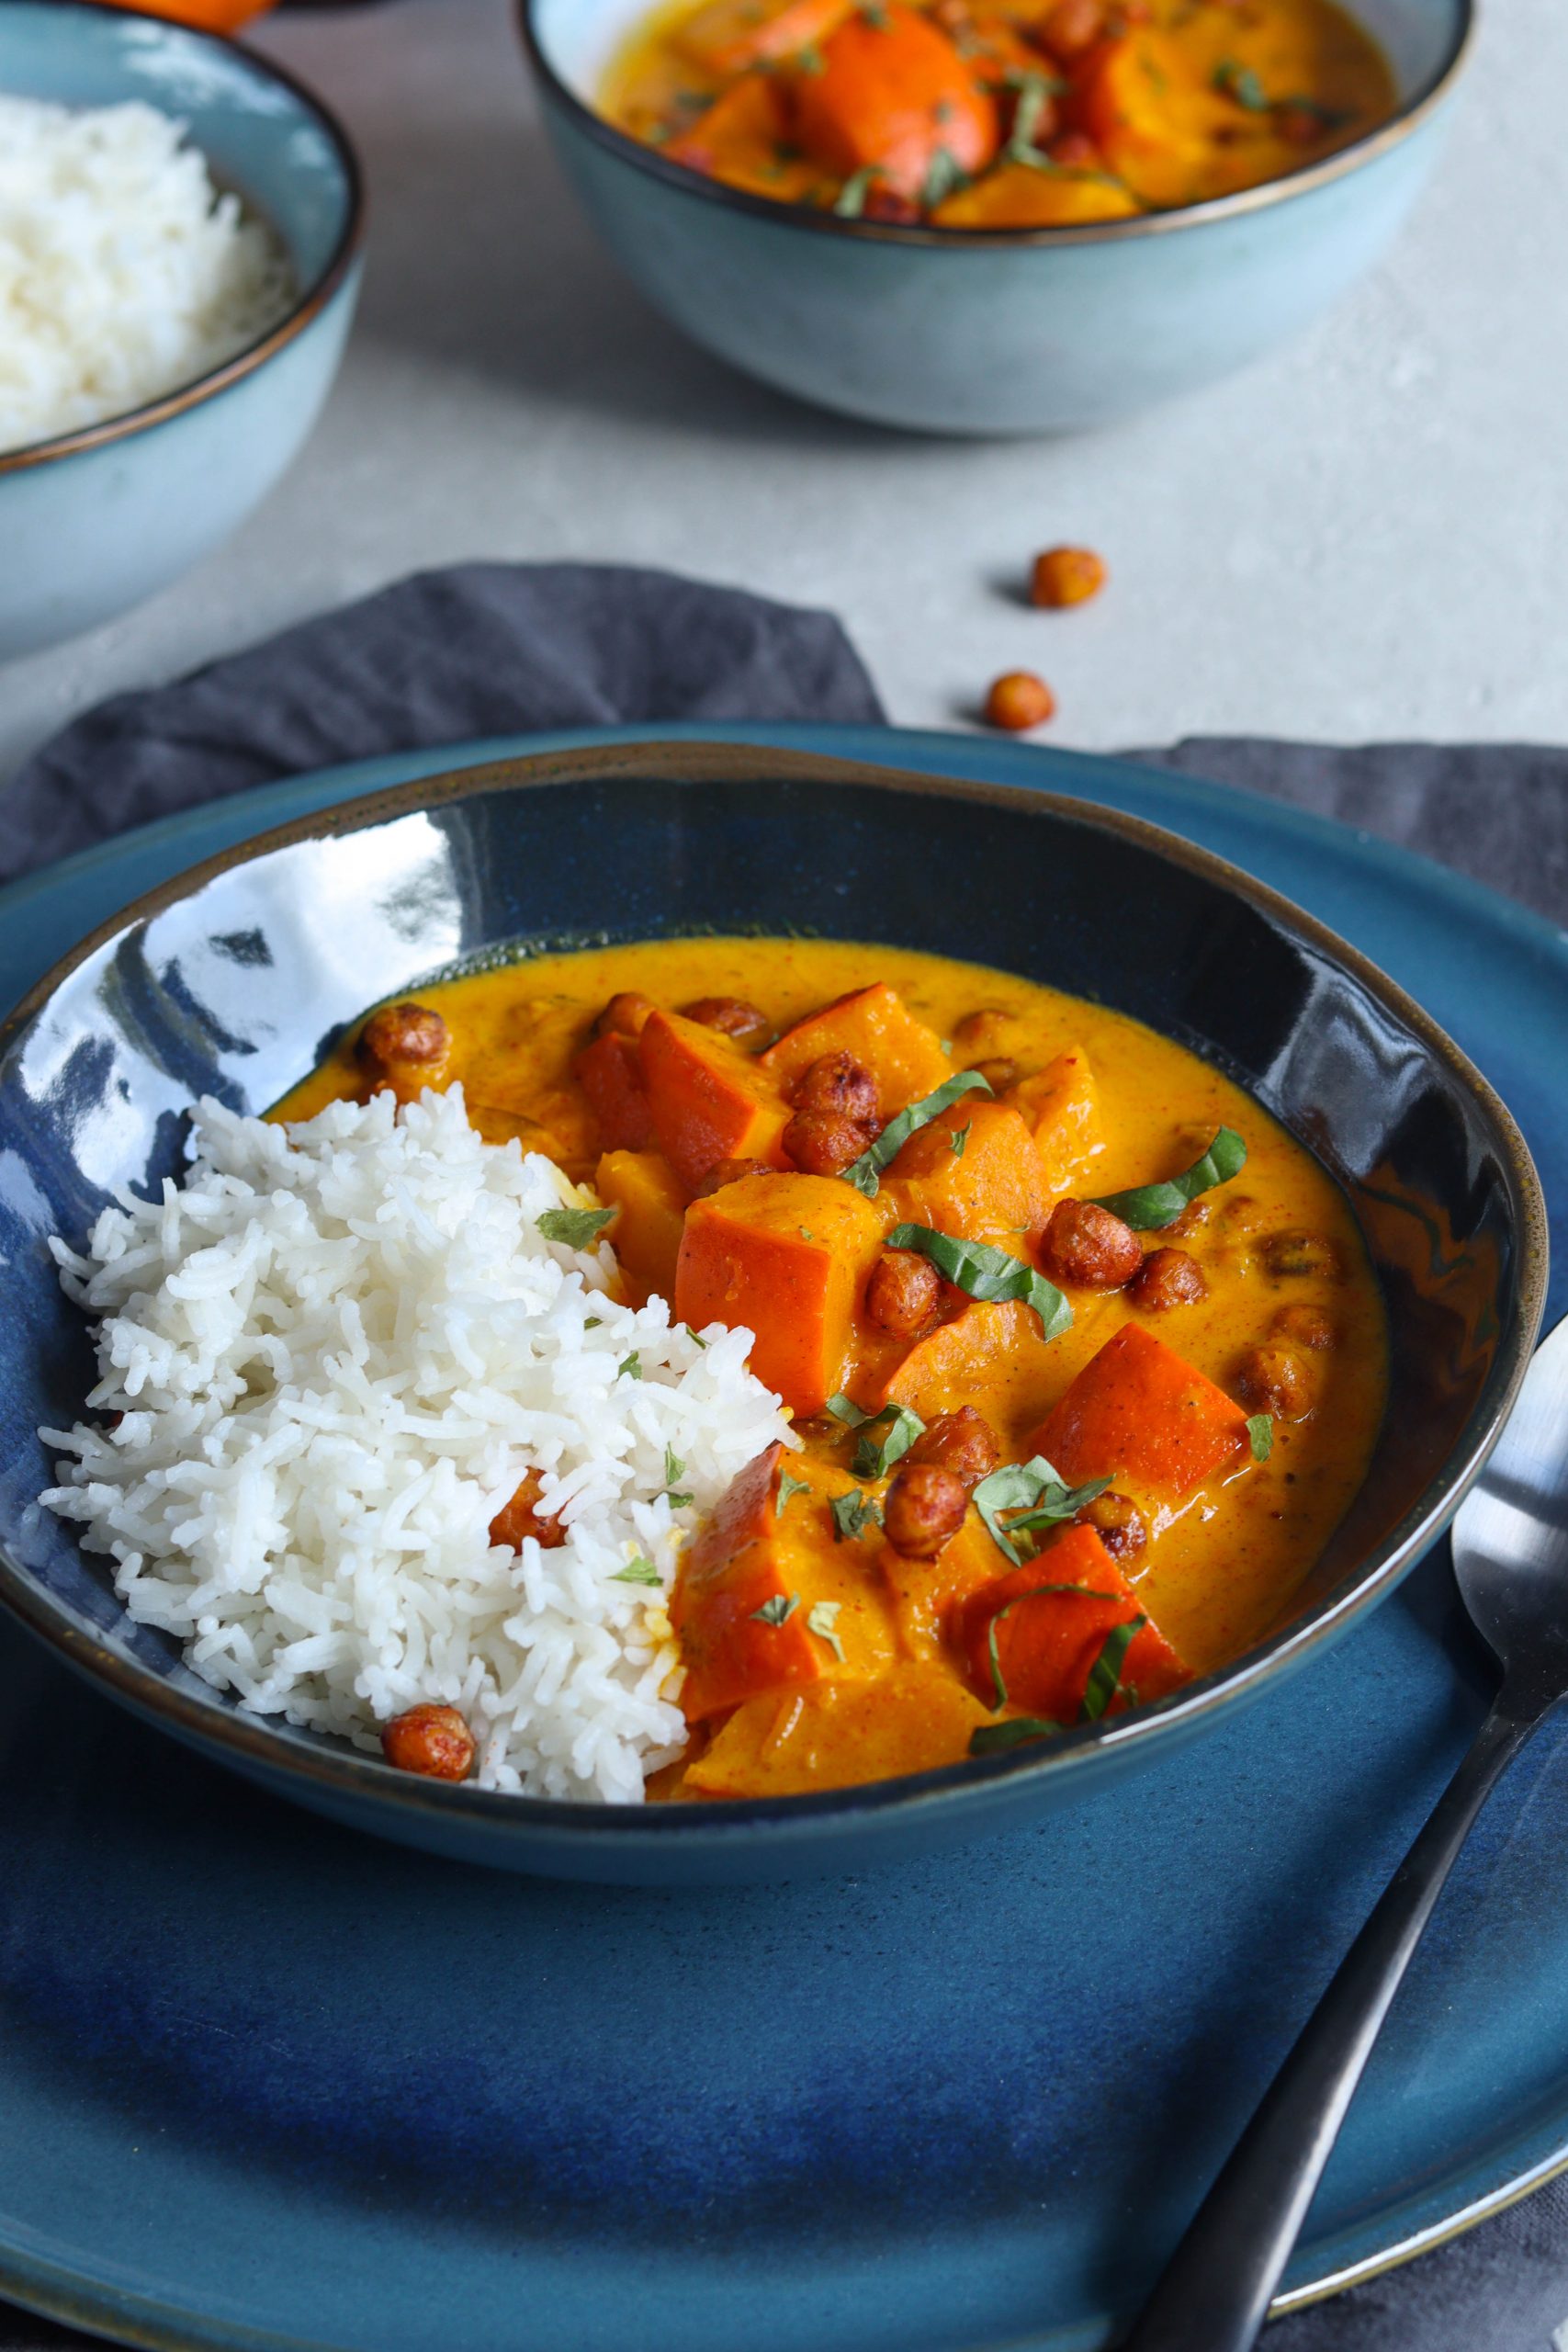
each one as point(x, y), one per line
point(93, 524)
point(264, 2082)
point(1018, 331)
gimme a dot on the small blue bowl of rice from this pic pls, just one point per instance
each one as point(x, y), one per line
point(180, 231)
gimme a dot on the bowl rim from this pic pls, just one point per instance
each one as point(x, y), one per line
point(277, 1749)
point(308, 304)
point(1412, 111)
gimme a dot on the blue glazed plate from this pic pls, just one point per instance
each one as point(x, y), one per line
point(264, 2082)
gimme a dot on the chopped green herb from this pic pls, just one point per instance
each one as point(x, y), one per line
point(594, 1323)
point(811, 60)
point(875, 1458)
point(850, 200)
point(986, 1272)
point(1036, 1592)
point(805, 1233)
point(875, 16)
point(1240, 82)
point(1033, 93)
point(578, 1228)
point(1034, 1495)
point(695, 1337)
point(1149, 1207)
point(852, 1514)
point(658, 133)
point(865, 1174)
point(958, 1138)
point(944, 177)
point(989, 1739)
point(1260, 1436)
point(844, 1408)
point(778, 1611)
point(630, 1367)
point(673, 1466)
point(1105, 1674)
point(788, 1486)
point(1331, 117)
point(637, 1571)
point(822, 1621)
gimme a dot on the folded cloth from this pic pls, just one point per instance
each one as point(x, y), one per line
point(499, 648)
point(445, 657)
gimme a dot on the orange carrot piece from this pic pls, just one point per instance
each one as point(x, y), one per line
point(709, 1100)
point(875, 1028)
point(789, 1258)
point(1061, 1105)
point(1047, 1643)
point(891, 89)
point(992, 1182)
point(1137, 1410)
point(611, 1076)
point(647, 1233)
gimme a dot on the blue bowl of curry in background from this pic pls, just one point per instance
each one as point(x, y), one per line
point(235, 979)
point(993, 331)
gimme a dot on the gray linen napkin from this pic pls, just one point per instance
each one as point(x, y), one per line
point(490, 649)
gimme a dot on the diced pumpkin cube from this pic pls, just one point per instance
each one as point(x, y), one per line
point(1138, 1411)
point(831, 1735)
point(610, 1074)
point(973, 1170)
point(890, 88)
point(647, 1232)
point(1061, 1106)
point(709, 1100)
point(737, 139)
point(1163, 123)
point(788, 1257)
point(877, 1029)
point(1046, 1643)
point(923, 1592)
point(1017, 195)
point(819, 1597)
point(728, 35)
point(991, 1356)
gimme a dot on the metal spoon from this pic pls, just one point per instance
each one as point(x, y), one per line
point(1510, 1547)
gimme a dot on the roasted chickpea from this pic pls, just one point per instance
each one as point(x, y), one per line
point(837, 1082)
point(1072, 28)
point(959, 1441)
point(625, 1015)
point(406, 1033)
point(1299, 126)
point(730, 1016)
point(521, 1517)
point(1167, 1277)
point(1300, 1254)
point(730, 1171)
point(1303, 1327)
point(1274, 1380)
point(924, 1509)
point(982, 1033)
point(1019, 700)
point(823, 1143)
point(1076, 152)
point(1065, 576)
point(904, 1295)
point(1119, 1524)
point(1087, 1246)
point(997, 1071)
point(434, 1741)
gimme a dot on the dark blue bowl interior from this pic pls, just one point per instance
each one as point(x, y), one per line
point(234, 983)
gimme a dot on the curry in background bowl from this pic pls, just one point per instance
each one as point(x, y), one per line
point(1000, 114)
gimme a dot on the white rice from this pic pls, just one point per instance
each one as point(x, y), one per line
point(336, 1347)
point(123, 274)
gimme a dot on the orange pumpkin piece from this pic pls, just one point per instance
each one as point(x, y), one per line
point(991, 1356)
point(611, 1076)
point(890, 89)
point(737, 139)
point(789, 1258)
point(833, 1734)
point(1061, 1105)
point(709, 1101)
point(728, 35)
point(1047, 1642)
point(875, 1028)
point(1161, 124)
point(1017, 195)
point(973, 1170)
point(647, 1233)
point(1138, 1411)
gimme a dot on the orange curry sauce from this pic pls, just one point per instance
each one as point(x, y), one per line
point(998, 114)
point(816, 1651)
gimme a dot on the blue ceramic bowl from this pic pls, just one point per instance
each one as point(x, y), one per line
point(1001, 332)
point(234, 979)
point(93, 521)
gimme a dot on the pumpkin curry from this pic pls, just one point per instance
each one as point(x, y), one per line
point(998, 114)
point(1083, 1351)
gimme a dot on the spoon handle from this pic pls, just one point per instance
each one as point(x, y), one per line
point(1214, 2294)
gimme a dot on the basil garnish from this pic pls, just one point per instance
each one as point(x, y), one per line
point(876, 1456)
point(844, 1408)
point(959, 1138)
point(822, 1621)
point(852, 1514)
point(673, 1466)
point(986, 1272)
point(1240, 82)
point(1036, 1592)
point(988, 1739)
point(1260, 1436)
point(856, 188)
point(631, 1367)
point(637, 1571)
point(1149, 1207)
point(864, 1173)
point(778, 1611)
point(788, 1486)
point(945, 175)
point(1105, 1674)
point(578, 1228)
point(1038, 1493)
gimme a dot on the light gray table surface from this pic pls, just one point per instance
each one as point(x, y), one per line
point(1362, 537)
